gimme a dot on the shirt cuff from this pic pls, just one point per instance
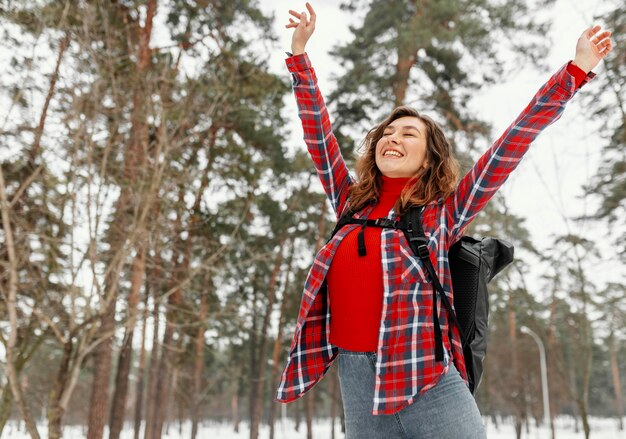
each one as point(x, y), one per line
point(578, 73)
point(298, 63)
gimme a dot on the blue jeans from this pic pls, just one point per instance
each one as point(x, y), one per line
point(446, 411)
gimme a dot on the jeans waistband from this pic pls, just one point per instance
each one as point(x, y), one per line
point(343, 351)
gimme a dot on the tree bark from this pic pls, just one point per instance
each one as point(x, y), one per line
point(55, 409)
point(253, 343)
point(163, 380)
point(134, 161)
point(333, 391)
point(199, 363)
point(118, 407)
point(278, 342)
point(142, 364)
point(257, 408)
point(5, 406)
point(516, 387)
point(617, 387)
point(309, 404)
point(98, 406)
point(407, 55)
point(154, 353)
point(401, 84)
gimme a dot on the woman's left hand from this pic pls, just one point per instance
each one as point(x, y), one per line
point(592, 47)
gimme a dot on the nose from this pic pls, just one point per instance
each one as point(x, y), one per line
point(393, 137)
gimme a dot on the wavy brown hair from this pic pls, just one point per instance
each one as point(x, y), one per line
point(437, 179)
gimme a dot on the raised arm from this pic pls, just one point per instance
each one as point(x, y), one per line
point(493, 168)
point(318, 133)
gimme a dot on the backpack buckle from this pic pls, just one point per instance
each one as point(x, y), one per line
point(422, 251)
point(386, 222)
point(422, 248)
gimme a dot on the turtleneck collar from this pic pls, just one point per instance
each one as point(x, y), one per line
point(393, 185)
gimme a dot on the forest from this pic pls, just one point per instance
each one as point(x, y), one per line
point(160, 211)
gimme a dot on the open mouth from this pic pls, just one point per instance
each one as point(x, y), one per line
point(392, 154)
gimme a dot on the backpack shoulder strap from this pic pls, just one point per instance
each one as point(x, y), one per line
point(417, 240)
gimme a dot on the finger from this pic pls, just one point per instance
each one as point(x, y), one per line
point(294, 13)
point(303, 19)
point(311, 12)
point(604, 44)
point(592, 30)
point(605, 50)
point(599, 45)
point(601, 36)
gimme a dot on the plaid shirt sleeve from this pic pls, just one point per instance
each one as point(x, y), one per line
point(318, 134)
point(493, 168)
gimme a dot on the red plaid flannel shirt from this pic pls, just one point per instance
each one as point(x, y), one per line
point(405, 365)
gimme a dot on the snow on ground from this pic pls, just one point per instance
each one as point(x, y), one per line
point(601, 428)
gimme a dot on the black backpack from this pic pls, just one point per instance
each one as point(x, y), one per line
point(473, 263)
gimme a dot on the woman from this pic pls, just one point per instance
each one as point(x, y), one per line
point(367, 299)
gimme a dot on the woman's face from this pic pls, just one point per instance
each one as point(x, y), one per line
point(401, 152)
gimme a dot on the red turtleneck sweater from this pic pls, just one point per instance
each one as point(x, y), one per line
point(355, 283)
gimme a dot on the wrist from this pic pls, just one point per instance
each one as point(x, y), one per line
point(582, 65)
point(297, 50)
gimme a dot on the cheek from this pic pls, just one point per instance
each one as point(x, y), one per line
point(379, 146)
point(417, 150)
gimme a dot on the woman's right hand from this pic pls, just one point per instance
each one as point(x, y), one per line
point(303, 29)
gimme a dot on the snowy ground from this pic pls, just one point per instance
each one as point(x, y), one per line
point(600, 429)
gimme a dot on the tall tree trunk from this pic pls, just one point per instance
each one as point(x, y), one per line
point(550, 343)
point(401, 83)
point(55, 409)
point(617, 387)
point(5, 406)
point(204, 294)
point(309, 404)
point(154, 354)
point(298, 418)
point(407, 55)
point(163, 380)
point(118, 407)
point(98, 406)
point(516, 387)
point(142, 363)
point(169, 345)
point(587, 350)
point(279, 337)
point(234, 402)
point(253, 343)
point(135, 159)
point(257, 408)
point(169, 415)
point(333, 391)
point(197, 390)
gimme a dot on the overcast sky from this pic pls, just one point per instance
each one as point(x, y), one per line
point(559, 162)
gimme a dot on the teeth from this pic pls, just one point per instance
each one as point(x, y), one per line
point(394, 153)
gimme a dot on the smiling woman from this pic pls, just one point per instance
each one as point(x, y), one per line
point(401, 366)
point(426, 159)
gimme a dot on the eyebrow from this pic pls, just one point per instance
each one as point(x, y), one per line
point(406, 127)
